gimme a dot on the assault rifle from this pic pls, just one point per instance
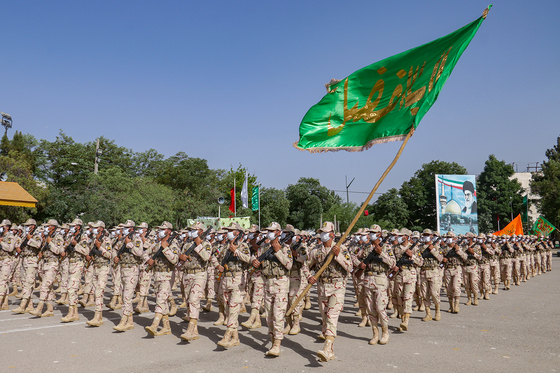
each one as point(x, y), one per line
point(70, 248)
point(269, 252)
point(204, 234)
point(24, 242)
point(94, 251)
point(371, 256)
point(160, 251)
point(404, 259)
point(426, 251)
point(123, 249)
point(229, 253)
point(45, 242)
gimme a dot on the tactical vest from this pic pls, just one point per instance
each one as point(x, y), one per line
point(194, 261)
point(453, 259)
point(377, 264)
point(430, 261)
point(162, 264)
point(505, 252)
point(271, 266)
point(471, 260)
point(129, 260)
point(334, 269)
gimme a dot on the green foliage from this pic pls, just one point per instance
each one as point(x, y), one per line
point(274, 207)
point(390, 211)
point(308, 201)
point(419, 193)
point(547, 185)
point(497, 195)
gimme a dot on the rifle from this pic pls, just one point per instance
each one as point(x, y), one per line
point(44, 246)
point(190, 249)
point(426, 250)
point(371, 256)
point(70, 248)
point(403, 259)
point(229, 253)
point(264, 256)
point(94, 250)
point(160, 251)
point(24, 242)
point(123, 248)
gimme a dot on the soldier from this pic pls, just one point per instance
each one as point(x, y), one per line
point(276, 263)
point(430, 280)
point(117, 241)
point(484, 265)
point(494, 262)
point(218, 249)
point(452, 260)
point(256, 282)
point(145, 277)
point(88, 297)
point(515, 263)
point(331, 285)
point(409, 260)
point(129, 261)
point(505, 261)
point(76, 254)
point(63, 268)
point(298, 281)
point(470, 268)
point(8, 262)
point(362, 242)
point(53, 247)
point(231, 264)
point(210, 290)
point(29, 250)
point(194, 276)
point(99, 256)
point(163, 261)
point(375, 282)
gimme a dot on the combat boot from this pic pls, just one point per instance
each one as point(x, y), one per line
point(221, 317)
point(359, 313)
point(475, 301)
point(375, 339)
point(122, 323)
point(208, 306)
point(506, 284)
point(84, 300)
point(487, 294)
point(192, 331)
point(136, 298)
point(173, 307)
point(254, 314)
point(113, 302)
point(49, 312)
point(257, 324)
point(234, 341)
point(428, 316)
point(4, 303)
point(14, 293)
point(119, 304)
point(224, 342)
point(39, 310)
point(395, 313)
point(129, 323)
point(152, 329)
point(495, 289)
point(63, 299)
point(437, 316)
point(307, 303)
point(166, 328)
point(80, 290)
point(295, 325)
point(288, 325)
point(384, 334)
point(183, 304)
point(275, 350)
point(69, 315)
point(142, 306)
point(390, 305)
point(30, 306)
point(404, 323)
point(451, 304)
point(327, 353)
point(456, 306)
point(242, 308)
point(469, 301)
point(97, 319)
point(91, 301)
point(517, 281)
point(364, 320)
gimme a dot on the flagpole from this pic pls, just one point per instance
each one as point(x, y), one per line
point(234, 199)
point(259, 190)
point(330, 257)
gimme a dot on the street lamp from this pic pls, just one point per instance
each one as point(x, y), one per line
point(6, 122)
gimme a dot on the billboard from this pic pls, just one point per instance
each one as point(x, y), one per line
point(456, 206)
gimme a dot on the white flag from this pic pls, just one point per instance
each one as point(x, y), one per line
point(245, 193)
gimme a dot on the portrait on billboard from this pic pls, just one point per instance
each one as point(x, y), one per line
point(456, 204)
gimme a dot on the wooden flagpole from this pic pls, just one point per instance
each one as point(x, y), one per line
point(343, 238)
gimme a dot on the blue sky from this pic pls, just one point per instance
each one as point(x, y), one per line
point(229, 81)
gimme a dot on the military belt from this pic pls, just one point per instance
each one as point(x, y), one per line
point(76, 260)
point(193, 271)
point(274, 276)
point(428, 268)
point(450, 266)
point(330, 280)
point(232, 274)
point(129, 265)
point(375, 273)
point(408, 266)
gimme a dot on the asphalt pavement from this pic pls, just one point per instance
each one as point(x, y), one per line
point(515, 331)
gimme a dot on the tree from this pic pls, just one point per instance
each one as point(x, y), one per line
point(497, 195)
point(308, 201)
point(274, 207)
point(419, 193)
point(546, 184)
point(390, 211)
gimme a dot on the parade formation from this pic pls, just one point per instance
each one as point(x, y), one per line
point(393, 272)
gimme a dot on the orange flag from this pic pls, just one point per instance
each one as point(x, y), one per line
point(515, 227)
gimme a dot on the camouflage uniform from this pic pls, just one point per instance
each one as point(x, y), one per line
point(298, 282)
point(495, 266)
point(505, 263)
point(430, 280)
point(50, 266)
point(487, 253)
point(453, 258)
point(30, 267)
point(405, 280)
point(470, 272)
point(8, 263)
point(76, 259)
point(195, 277)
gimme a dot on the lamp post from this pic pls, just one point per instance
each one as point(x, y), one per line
point(348, 186)
point(6, 122)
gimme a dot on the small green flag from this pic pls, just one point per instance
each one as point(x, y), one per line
point(543, 227)
point(525, 209)
point(384, 101)
point(255, 198)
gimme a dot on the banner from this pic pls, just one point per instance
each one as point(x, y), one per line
point(456, 207)
point(382, 102)
point(255, 198)
point(543, 227)
point(514, 227)
point(245, 193)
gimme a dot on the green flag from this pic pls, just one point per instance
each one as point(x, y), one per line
point(255, 198)
point(384, 101)
point(543, 226)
